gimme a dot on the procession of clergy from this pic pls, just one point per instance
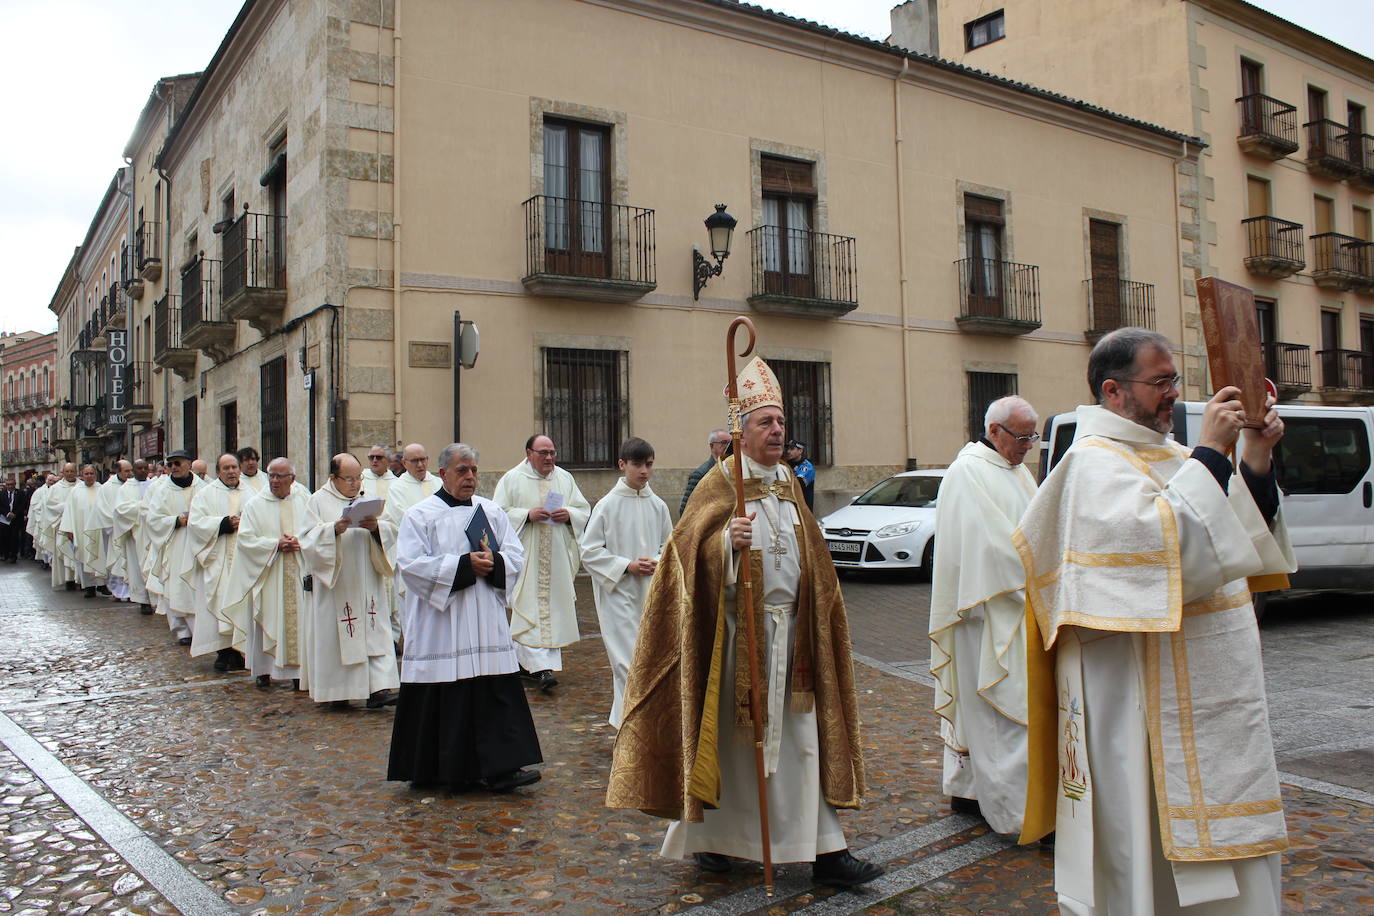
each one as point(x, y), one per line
point(1094, 649)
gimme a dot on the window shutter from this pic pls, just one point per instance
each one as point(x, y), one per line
point(787, 176)
point(983, 210)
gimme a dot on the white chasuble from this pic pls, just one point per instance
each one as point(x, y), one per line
point(378, 485)
point(219, 625)
point(270, 583)
point(454, 635)
point(33, 526)
point(542, 605)
point(103, 521)
point(256, 485)
point(401, 493)
point(169, 552)
point(127, 539)
point(78, 532)
point(626, 525)
point(1168, 790)
point(349, 652)
point(802, 823)
point(62, 550)
point(977, 632)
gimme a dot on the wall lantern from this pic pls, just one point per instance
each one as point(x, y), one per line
point(719, 226)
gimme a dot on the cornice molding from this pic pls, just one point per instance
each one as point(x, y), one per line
point(1266, 23)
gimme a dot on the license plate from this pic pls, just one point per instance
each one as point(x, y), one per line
point(843, 546)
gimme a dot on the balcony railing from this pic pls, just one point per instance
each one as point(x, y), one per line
point(1289, 365)
point(803, 273)
point(1362, 152)
point(254, 276)
point(1274, 247)
point(1268, 127)
point(90, 419)
point(116, 309)
point(203, 325)
point(1116, 303)
point(998, 297)
point(148, 250)
point(1339, 261)
point(10, 405)
point(168, 348)
point(1347, 370)
point(1329, 150)
point(585, 250)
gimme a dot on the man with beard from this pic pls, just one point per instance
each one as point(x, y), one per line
point(1137, 552)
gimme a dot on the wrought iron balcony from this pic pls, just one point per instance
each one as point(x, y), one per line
point(202, 324)
point(1268, 127)
point(998, 297)
point(10, 405)
point(116, 311)
point(91, 420)
point(1362, 152)
point(1274, 247)
point(578, 249)
point(1289, 366)
point(140, 390)
point(1329, 150)
point(1339, 261)
point(802, 273)
point(1116, 303)
point(11, 457)
point(1347, 371)
point(254, 276)
point(168, 349)
point(148, 250)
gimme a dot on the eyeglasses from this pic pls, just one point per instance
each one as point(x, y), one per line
point(1160, 384)
point(271, 476)
point(1024, 440)
point(376, 458)
point(545, 452)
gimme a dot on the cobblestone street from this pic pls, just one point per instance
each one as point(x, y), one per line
point(137, 780)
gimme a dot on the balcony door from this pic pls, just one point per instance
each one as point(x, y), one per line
point(275, 229)
point(577, 192)
point(789, 197)
point(1264, 312)
point(1367, 349)
point(1104, 252)
point(1252, 108)
point(984, 225)
point(1331, 345)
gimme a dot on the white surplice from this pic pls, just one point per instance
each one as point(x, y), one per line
point(348, 654)
point(269, 583)
point(377, 485)
point(63, 556)
point(168, 557)
point(977, 632)
point(626, 525)
point(103, 522)
point(79, 532)
point(453, 635)
point(400, 494)
point(128, 540)
point(543, 604)
point(1137, 561)
point(220, 624)
point(34, 524)
point(802, 823)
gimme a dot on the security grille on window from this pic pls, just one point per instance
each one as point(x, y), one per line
point(806, 405)
point(229, 424)
point(272, 441)
point(190, 423)
point(586, 409)
point(982, 31)
point(983, 389)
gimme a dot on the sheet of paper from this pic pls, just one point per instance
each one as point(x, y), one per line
point(553, 503)
point(4, 520)
point(360, 509)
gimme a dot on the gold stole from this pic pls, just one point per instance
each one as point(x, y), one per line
point(291, 578)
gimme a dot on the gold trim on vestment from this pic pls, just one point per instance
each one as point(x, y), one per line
point(1217, 603)
point(1243, 809)
point(1183, 688)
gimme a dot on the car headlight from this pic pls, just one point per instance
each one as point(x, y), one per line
point(900, 528)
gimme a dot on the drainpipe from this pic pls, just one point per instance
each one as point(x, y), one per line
point(397, 336)
point(1178, 242)
point(129, 311)
point(901, 265)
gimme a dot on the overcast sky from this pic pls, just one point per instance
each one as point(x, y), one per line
point(79, 72)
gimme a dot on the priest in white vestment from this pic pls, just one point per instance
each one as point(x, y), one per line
point(213, 523)
point(110, 568)
point(1137, 551)
point(267, 575)
point(128, 539)
point(669, 761)
point(253, 480)
point(462, 720)
point(549, 513)
point(167, 513)
point(620, 548)
point(977, 614)
point(63, 559)
point(377, 476)
point(42, 551)
point(349, 654)
point(79, 531)
point(400, 493)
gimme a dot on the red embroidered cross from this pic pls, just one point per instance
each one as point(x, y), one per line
point(348, 619)
point(372, 613)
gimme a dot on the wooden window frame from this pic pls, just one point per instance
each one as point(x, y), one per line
point(788, 182)
point(568, 217)
point(996, 18)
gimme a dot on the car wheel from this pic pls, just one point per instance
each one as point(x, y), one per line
point(928, 561)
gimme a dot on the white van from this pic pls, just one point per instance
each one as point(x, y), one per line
point(1327, 480)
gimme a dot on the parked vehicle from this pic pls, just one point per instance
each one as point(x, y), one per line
point(890, 526)
point(1325, 475)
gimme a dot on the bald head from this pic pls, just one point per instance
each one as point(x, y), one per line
point(281, 474)
point(346, 474)
point(140, 469)
point(124, 470)
point(69, 472)
point(416, 460)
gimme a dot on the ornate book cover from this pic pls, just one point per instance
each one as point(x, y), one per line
point(1234, 353)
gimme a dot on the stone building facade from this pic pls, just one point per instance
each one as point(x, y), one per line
point(28, 404)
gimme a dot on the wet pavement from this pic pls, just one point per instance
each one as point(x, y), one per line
point(266, 803)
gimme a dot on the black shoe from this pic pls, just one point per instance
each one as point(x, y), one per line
point(100, 589)
point(840, 869)
point(512, 780)
point(145, 609)
point(264, 681)
point(1047, 839)
point(235, 658)
point(965, 806)
point(713, 862)
point(222, 659)
point(340, 704)
point(527, 675)
point(383, 698)
point(545, 680)
point(184, 641)
point(71, 586)
point(90, 592)
point(295, 683)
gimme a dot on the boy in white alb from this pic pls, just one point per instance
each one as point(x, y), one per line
point(620, 549)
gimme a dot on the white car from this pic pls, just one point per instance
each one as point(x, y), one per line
point(891, 526)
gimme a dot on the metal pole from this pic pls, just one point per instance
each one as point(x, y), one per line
point(457, 371)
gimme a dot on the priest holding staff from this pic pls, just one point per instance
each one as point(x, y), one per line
point(685, 749)
point(462, 719)
point(1137, 551)
point(977, 611)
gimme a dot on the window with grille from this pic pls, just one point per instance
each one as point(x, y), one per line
point(586, 408)
point(985, 30)
point(190, 424)
point(272, 440)
point(983, 389)
point(806, 405)
point(229, 423)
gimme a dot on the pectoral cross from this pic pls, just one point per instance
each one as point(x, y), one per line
point(372, 613)
point(777, 550)
point(348, 619)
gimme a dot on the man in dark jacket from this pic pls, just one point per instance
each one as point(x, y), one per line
point(718, 441)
